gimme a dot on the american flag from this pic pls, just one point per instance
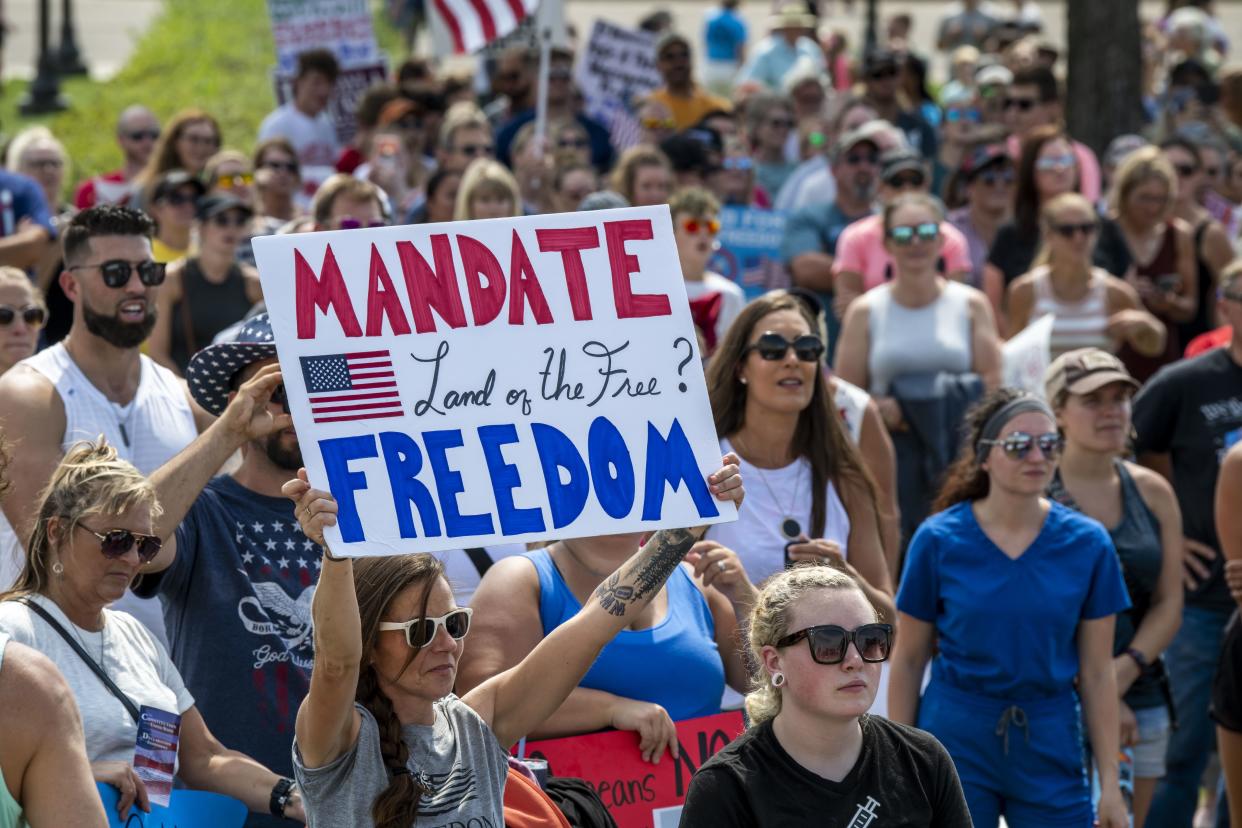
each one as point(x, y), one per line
point(359, 386)
point(472, 24)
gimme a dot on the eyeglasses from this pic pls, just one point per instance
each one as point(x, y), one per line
point(972, 115)
point(675, 55)
point(856, 158)
point(742, 163)
point(281, 166)
point(200, 140)
point(178, 199)
point(781, 123)
point(693, 226)
point(1021, 104)
point(1185, 170)
point(419, 632)
point(228, 182)
point(116, 272)
point(33, 315)
point(883, 73)
point(143, 135)
point(475, 150)
point(116, 543)
point(773, 346)
point(1055, 163)
point(906, 234)
point(1019, 444)
point(829, 643)
point(994, 177)
point(573, 143)
point(1069, 229)
point(230, 219)
point(281, 397)
point(351, 223)
point(901, 181)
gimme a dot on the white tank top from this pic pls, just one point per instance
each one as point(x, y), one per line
point(1081, 324)
point(148, 432)
point(930, 339)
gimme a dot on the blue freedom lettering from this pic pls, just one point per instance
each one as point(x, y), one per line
point(404, 461)
point(449, 485)
point(607, 451)
point(556, 452)
point(672, 461)
point(342, 482)
point(505, 478)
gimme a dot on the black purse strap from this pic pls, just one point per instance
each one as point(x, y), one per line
point(90, 662)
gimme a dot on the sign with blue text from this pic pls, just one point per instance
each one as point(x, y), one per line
point(471, 383)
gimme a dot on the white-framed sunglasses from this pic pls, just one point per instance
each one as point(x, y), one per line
point(419, 632)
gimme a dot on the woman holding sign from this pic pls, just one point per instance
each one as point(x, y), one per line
point(812, 755)
point(92, 539)
point(381, 740)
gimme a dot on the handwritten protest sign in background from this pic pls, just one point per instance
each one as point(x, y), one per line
point(471, 383)
point(616, 68)
point(630, 788)
point(187, 809)
point(750, 249)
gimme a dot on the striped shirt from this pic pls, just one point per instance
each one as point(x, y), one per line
point(1081, 324)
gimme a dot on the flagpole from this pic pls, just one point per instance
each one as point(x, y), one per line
point(543, 28)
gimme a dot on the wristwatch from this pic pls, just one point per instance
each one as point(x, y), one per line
point(1139, 659)
point(282, 792)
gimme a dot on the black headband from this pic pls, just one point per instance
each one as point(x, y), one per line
point(992, 428)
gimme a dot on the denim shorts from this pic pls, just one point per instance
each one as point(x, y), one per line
point(1153, 741)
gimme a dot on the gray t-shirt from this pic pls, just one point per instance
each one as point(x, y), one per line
point(458, 759)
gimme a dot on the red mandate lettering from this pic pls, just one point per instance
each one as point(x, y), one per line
point(430, 289)
point(631, 305)
point(323, 292)
point(570, 242)
point(629, 787)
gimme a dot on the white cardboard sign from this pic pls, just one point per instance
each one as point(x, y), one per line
point(473, 383)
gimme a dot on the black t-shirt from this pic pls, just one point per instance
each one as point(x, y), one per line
point(1015, 248)
point(1192, 410)
point(903, 778)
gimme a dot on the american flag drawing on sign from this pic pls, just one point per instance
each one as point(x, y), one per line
point(472, 24)
point(359, 386)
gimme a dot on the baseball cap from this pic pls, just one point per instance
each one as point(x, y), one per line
point(900, 159)
point(1084, 370)
point(993, 75)
point(982, 156)
point(172, 181)
point(214, 205)
point(868, 133)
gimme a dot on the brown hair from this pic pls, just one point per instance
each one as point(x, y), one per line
point(164, 157)
point(631, 161)
point(275, 143)
point(1143, 165)
point(377, 581)
point(92, 479)
point(819, 437)
point(342, 184)
point(1026, 195)
point(966, 479)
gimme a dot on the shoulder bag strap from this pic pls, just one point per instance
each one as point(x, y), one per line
point(90, 662)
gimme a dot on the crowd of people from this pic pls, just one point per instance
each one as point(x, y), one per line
point(945, 601)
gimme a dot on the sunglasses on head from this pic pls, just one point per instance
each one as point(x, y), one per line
point(115, 543)
point(904, 234)
point(694, 225)
point(228, 182)
point(419, 632)
point(281, 166)
point(33, 315)
point(116, 272)
point(773, 346)
point(1019, 444)
point(143, 135)
point(829, 643)
point(1070, 229)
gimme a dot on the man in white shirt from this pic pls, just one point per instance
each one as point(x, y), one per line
point(304, 121)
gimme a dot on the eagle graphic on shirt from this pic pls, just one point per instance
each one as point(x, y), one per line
point(280, 564)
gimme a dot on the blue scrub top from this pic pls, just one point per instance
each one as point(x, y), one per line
point(1008, 628)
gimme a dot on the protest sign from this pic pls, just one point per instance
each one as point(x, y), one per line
point(639, 794)
point(1026, 356)
point(616, 68)
point(465, 384)
point(344, 26)
point(187, 809)
point(155, 753)
point(750, 249)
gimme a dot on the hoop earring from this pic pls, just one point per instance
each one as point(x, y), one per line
point(778, 679)
point(58, 569)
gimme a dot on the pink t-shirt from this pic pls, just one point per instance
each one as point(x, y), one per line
point(860, 249)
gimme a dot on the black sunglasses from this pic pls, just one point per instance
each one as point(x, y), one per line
point(1019, 444)
point(908, 179)
point(419, 632)
point(1022, 104)
point(882, 73)
point(230, 219)
point(281, 397)
point(286, 166)
point(115, 543)
point(143, 135)
point(33, 315)
point(773, 346)
point(1069, 230)
point(829, 643)
point(994, 177)
point(116, 272)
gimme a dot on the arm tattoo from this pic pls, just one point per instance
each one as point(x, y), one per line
point(647, 574)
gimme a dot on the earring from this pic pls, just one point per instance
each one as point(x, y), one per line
point(778, 679)
point(58, 568)
point(742, 380)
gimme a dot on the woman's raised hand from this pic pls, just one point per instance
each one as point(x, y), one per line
point(314, 508)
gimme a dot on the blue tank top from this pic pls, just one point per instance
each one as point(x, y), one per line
point(674, 664)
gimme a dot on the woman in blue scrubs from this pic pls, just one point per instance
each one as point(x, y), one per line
point(1019, 594)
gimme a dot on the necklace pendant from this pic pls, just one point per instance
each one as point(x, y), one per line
point(790, 528)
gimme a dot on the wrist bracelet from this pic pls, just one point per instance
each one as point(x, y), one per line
point(282, 792)
point(330, 556)
point(1139, 658)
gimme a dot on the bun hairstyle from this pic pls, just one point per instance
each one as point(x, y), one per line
point(769, 623)
point(90, 480)
point(377, 581)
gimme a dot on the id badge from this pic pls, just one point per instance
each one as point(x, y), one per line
point(155, 753)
